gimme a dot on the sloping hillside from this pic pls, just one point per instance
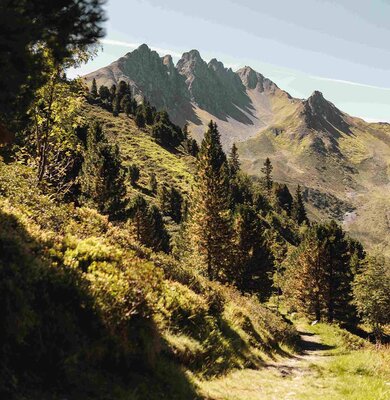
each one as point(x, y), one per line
point(342, 161)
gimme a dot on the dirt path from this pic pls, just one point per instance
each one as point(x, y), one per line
point(303, 367)
point(289, 379)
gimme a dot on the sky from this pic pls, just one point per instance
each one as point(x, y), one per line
point(341, 48)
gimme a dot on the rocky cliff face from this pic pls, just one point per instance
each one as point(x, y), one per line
point(192, 89)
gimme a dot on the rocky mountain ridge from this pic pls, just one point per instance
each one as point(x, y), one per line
point(343, 162)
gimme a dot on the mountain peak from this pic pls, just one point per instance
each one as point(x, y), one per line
point(192, 55)
point(144, 48)
point(321, 114)
point(216, 65)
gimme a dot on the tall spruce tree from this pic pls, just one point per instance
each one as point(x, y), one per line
point(234, 161)
point(94, 91)
point(298, 211)
point(282, 198)
point(254, 260)
point(102, 182)
point(319, 273)
point(148, 225)
point(211, 220)
point(267, 171)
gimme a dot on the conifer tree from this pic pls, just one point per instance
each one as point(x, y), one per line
point(267, 171)
point(371, 290)
point(298, 211)
point(112, 91)
point(148, 113)
point(102, 182)
point(148, 225)
point(305, 284)
point(94, 91)
point(115, 106)
point(104, 93)
point(176, 203)
point(163, 199)
point(153, 184)
point(140, 119)
point(254, 261)
point(319, 273)
point(282, 198)
point(234, 161)
point(134, 174)
point(122, 90)
point(211, 220)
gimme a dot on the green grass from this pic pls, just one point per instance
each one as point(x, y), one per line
point(337, 373)
point(139, 148)
point(162, 327)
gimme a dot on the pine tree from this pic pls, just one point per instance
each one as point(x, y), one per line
point(282, 198)
point(267, 171)
point(134, 174)
point(298, 212)
point(319, 274)
point(371, 291)
point(122, 90)
point(115, 106)
point(176, 203)
point(94, 92)
point(163, 199)
point(254, 261)
point(140, 119)
point(102, 182)
point(153, 184)
point(148, 225)
point(104, 93)
point(148, 112)
point(125, 104)
point(211, 221)
point(305, 284)
point(112, 91)
point(234, 161)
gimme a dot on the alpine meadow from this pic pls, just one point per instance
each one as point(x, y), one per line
point(171, 228)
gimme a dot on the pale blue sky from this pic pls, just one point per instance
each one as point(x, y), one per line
point(341, 48)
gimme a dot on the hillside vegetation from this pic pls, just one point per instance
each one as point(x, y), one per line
point(90, 313)
point(139, 264)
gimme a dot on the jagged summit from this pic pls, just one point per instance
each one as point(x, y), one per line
point(321, 114)
point(194, 91)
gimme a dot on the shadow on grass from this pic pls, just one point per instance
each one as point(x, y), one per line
point(54, 342)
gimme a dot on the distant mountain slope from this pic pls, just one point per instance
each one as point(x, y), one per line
point(343, 162)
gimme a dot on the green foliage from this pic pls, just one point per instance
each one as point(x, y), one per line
point(165, 132)
point(210, 216)
point(282, 198)
point(267, 171)
point(50, 141)
point(93, 90)
point(148, 225)
point(254, 264)
point(59, 28)
point(372, 293)
point(134, 174)
point(140, 119)
point(298, 211)
point(234, 161)
point(153, 184)
point(102, 180)
point(319, 274)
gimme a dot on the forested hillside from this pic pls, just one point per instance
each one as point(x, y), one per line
point(137, 263)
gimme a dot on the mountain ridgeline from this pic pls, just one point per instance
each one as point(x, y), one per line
point(342, 162)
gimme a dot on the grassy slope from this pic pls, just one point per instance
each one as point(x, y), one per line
point(197, 329)
point(356, 178)
point(137, 147)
